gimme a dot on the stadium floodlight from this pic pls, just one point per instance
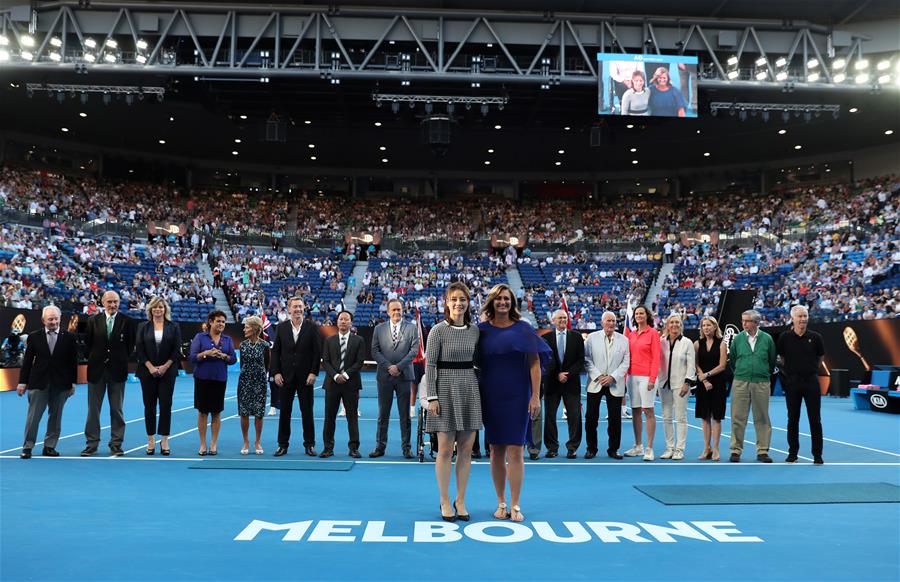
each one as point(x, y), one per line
point(4, 40)
point(141, 59)
point(111, 43)
point(90, 57)
point(883, 65)
point(55, 41)
point(27, 55)
point(780, 62)
point(781, 75)
point(861, 65)
point(862, 78)
point(4, 55)
point(26, 40)
point(812, 77)
point(761, 75)
point(55, 57)
point(109, 58)
point(141, 44)
point(90, 43)
point(732, 61)
point(884, 79)
point(761, 62)
point(839, 77)
point(733, 74)
point(839, 63)
point(812, 63)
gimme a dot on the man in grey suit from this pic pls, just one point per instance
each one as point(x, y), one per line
point(394, 345)
point(606, 360)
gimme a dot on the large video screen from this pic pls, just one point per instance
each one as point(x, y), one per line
point(647, 85)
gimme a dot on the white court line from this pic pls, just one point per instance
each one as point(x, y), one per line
point(68, 436)
point(530, 464)
point(826, 439)
point(172, 436)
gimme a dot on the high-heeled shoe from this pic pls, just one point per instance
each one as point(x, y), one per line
point(461, 516)
point(714, 455)
point(150, 450)
point(450, 518)
point(705, 455)
point(164, 452)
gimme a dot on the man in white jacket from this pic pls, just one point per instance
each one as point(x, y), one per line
point(606, 360)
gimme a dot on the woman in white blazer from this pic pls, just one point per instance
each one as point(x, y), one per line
point(677, 371)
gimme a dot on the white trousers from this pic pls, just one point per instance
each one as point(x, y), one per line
point(674, 407)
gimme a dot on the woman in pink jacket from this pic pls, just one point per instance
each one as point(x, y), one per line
point(643, 342)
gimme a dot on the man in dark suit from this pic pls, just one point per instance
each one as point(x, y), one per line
point(49, 371)
point(394, 345)
point(295, 361)
point(563, 381)
point(342, 359)
point(109, 341)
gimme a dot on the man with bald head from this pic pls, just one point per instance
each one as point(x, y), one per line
point(606, 359)
point(563, 382)
point(109, 342)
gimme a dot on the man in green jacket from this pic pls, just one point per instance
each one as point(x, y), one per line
point(752, 357)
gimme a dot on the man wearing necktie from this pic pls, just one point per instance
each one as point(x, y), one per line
point(563, 381)
point(49, 371)
point(109, 342)
point(342, 359)
point(394, 345)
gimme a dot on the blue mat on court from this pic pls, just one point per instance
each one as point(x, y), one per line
point(785, 493)
point(272, 465)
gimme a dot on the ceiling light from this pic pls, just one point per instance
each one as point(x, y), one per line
point(706, 154)
point(234, 152)
point(490, 151)
point(487, 162)
point(782, 131)
point(862, 78)
point(889, 132)
point(633, 150)
point(634, 161)
point(64, 129)
point(306, 121)
point(237, 140)
point(382, 148)
point(377, 124)
point(861, 64)
point(498, 126)
point(883, 65)
point(630, 126)
point(812, 63)
point(566, 128)
point(560, 151)
point(311, 146)
point(853, 109)
point(313, 158)
point(162, 142)
point(243, 117)
point(82, 114)
point(557, 163)
point(384, 160)
point(761, 62)
point(798, 147)
point(780, 62)
point(839, 77)
point(839, 63)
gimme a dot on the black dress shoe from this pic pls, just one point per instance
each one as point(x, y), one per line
point(764, 458)
point(151, 451)
point(534, 456)
point(735, 458)
point(407, 454)
point(26, 454)
point(614, 455)
point(571, 455)
point(326, 453)
point(116, 451)
point(589, 454)
point(376, 453)
point(476, 454)
point(818, 460)
point(791, 458)
point(355, 454)
point(49, 452)
point(310, 451)
point(88, 451)
point(280, 451)
point(450, 518)
point(551, 454)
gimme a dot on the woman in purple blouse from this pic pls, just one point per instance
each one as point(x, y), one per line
point(211, 354)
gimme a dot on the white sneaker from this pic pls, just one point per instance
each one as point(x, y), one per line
point(271, 411)
point(412, 411)
point(678, 456)
point(606, 417)
point(626, 413)
point(342, 412)
point(667, 455)
point(565, 416)
point(635, 451)
point(648, 454)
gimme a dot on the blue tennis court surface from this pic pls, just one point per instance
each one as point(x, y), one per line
point(154, 518)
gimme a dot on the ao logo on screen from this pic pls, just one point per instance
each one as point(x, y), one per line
point(878, 401)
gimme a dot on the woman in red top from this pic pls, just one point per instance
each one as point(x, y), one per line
point(643, 343)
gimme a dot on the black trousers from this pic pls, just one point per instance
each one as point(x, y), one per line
point(386, 393)
point(572, 402)
point(334, 394)
point(592, 420)
point(158, 391)
point(798, 389)
point(305, 396)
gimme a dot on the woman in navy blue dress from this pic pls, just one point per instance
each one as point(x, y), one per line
point(511, 356)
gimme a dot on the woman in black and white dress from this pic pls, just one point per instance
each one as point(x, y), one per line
point(454, 402)
point(252, 383)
